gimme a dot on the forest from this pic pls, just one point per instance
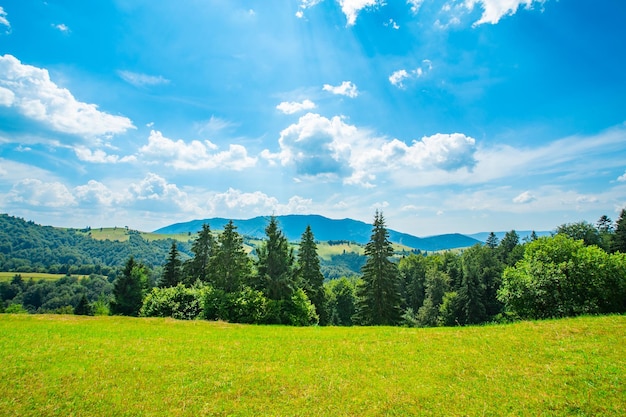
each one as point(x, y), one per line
point(579, 270)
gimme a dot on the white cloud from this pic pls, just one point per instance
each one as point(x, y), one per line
point(291, 107)
point(3, 19)
point(6, 97)
point(347, 88)
point(415, 5)
point(524, 198)
point(142, 80)
point(61, 27)
point(398, 77)
point(37, 97)
point(238, 204)
point(305, 4)
point(622, 178)
point(351, 8)
point(392, 23)
point(96, 193)
point(155, 193)
point(195, 154)
point(37, 193)
point(494, 10)
point(331, 149)
point(99, 156)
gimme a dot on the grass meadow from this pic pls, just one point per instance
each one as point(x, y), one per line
point(8, 276)
point(114, 366)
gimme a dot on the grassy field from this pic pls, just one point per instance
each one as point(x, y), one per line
point(120, 234)
point(80, 366)
point(8, 276)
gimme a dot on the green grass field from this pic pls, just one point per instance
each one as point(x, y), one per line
point(8, 276)
point(111, 366)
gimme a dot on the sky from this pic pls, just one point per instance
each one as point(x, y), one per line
point(449, 116)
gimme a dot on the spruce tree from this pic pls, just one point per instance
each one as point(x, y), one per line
point(310, 275)
point(618, 243)
point(492, 241)
point(230, 265)
point(275, 264)
point(129, 289)
point(172, 272)
point(203, 247)
point(379, 293)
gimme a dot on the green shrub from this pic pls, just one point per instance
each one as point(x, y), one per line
point(16, 309)
point(177, 302)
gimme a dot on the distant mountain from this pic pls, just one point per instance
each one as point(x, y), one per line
point(482, 236)
point(324, 229)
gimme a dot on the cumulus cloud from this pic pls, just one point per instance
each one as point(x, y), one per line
point(96, 193)
point(524, 198)
point(622, 178)
point(346, 88)
point(333, 149)
point(34, 95)
point(37, 193)
point(398, 77)
point(494, 10)
point(142, 80)
point(291, 107)
point(351, 8)
point(99, 156)
point(195, 154)
point(236, 203)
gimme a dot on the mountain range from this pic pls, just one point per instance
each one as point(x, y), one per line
point(324, 229)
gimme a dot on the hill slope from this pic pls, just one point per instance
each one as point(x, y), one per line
point(324, 229)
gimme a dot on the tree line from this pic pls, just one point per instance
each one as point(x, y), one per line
point(580, 269)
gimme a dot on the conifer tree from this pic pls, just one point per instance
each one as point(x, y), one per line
point(275, 264)
point(618, 243)
point(197, 268)
point(230, 266)
point(129, 289)
point(492, 241)
point(172, 272)
point(310, 275)
point(379, 293)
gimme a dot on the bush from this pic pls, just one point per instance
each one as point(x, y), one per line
point(16, 309)
point(177, 302)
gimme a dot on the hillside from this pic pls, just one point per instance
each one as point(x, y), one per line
point(325, 229)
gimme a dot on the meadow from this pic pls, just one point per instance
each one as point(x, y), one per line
point(8, 276)
point(67, 365)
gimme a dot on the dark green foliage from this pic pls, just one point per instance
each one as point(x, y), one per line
point(492, 241)
point(471, 293)
point(413, 280)
point(230, 265)
point(605, 228)
point(378, 296)
point(275, 264)
point(341, 296)
point(343, 265)
point(509, 250)
point(580, 231)
point(172, 270)
point(129, 289)
point(310, 276)
point(561, 277)
point(83, 308)
point(177, 302)
point(618, 243)
point(437, 284)
point(203, 248)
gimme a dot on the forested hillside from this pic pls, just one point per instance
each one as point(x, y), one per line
point(29, 247)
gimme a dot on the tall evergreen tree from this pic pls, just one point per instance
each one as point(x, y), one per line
point(618, 243)
point(129, 289)
point(275, 264)
point(310, 275)
point(492, 241)
point(379, 294)
point(230, 265)
point(172, 272)
point(203, 247)
point(471, 293)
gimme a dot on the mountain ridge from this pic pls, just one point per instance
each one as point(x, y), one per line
point(324, 229)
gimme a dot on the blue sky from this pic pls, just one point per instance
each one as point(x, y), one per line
point(450, 116)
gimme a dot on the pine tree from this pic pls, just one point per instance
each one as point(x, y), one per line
point(618, 243)
point(129, 289)
point(83, 308)
point(230, 265)
point(172, 272)
point(310, 275)
point(203, 247)
point(379, 294)
point(275, 264)
point(492, 241)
